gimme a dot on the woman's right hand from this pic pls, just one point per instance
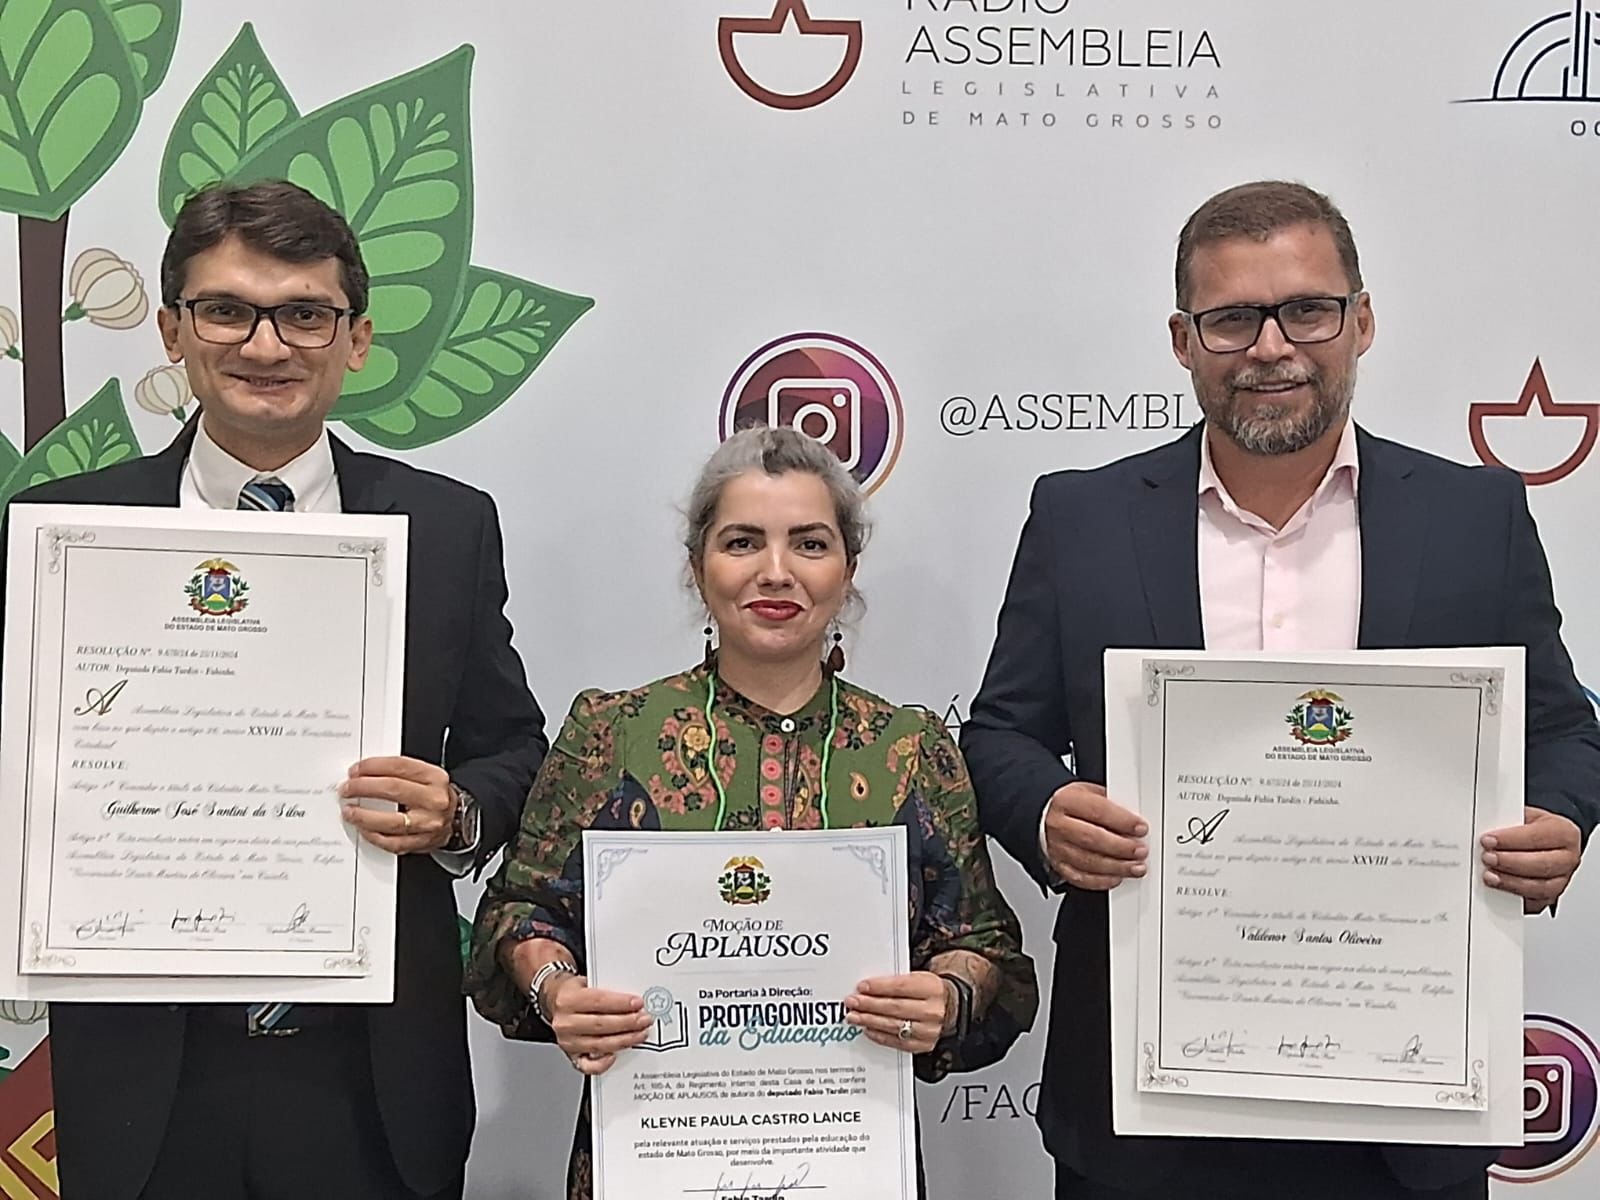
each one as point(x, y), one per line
point(593, 1025)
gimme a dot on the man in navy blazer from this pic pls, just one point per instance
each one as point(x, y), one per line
point(1275, 524)
point(264, 295)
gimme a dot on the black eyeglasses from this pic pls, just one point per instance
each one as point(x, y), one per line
point(1304, 321)
point(302, 324)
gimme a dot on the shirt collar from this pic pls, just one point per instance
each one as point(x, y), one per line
point(220, 477)
point(814, 714)
point(1346, 465)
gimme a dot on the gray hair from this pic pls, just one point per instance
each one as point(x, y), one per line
point(776, 451)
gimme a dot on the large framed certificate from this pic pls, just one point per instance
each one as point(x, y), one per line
point(744, 947)
point(1313, 939)
point(183, 693)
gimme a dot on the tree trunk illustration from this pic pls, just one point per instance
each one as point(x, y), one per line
point(42, 250)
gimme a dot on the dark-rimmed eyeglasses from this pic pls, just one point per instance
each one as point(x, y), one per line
point(302, 324)
point(1304, 321)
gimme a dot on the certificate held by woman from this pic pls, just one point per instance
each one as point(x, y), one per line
point(743, 948)
point(752, 898)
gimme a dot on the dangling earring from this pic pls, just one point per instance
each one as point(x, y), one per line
point(835, 660)
point(710, 649)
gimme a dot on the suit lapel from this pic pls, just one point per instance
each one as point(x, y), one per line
point(157, 484)
point(1393, 527)
point(363, 480)
point(1166, 542)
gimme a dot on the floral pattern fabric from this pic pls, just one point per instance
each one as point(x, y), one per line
point(644, 759)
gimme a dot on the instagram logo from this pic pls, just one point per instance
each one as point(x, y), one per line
point(827, 388)
point(1560, 1102)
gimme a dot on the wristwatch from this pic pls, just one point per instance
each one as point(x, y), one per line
point(536, 988)
point(464, 827)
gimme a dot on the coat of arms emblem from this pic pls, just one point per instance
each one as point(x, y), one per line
point(1320, 718)
point(217, 589)
point(744, 880)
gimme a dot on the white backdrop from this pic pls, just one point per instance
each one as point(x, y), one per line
point(998, 237)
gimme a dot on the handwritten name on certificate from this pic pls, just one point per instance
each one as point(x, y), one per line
point(186, 698)
point(744, 947)
point(1307, 923)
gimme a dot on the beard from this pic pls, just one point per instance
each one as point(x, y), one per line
point(1257, 425)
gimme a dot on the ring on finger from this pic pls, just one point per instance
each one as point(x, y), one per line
point(906, 1031)
point(405, 819)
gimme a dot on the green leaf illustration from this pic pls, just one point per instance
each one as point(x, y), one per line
point(396, 160)
point(504, 330)
point(239, 104)
point(69, 101)
point(98, 434)
point(10, 456)
point(150, 27)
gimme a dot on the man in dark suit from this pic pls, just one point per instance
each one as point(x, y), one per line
point(1274, 525)
point(263, 291)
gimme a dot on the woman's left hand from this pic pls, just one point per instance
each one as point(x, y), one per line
point(905, 1012)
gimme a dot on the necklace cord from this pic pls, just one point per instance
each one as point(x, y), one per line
point(711, 748)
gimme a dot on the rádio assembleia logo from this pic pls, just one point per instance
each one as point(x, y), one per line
point(1527, 444)
point(789, 60)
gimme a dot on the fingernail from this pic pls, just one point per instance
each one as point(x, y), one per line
point(352, 771)
point(1490, 841)
point(1142, 852)
point(1491, 879)
point(1138, 869)
point(1140, 829)
point(1491, 860)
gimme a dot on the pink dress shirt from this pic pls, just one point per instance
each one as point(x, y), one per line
point(1295, 588)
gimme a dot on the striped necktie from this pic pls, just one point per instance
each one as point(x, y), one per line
point(267, 495)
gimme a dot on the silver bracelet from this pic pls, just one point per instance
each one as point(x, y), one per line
point(555, 966)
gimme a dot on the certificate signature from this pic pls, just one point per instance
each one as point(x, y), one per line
point(299, 922)
point(107, 927)
point(788, 1183)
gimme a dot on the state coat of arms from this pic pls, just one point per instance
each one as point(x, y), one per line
point(744, 880)
point(1320, 718)
point(217, 589)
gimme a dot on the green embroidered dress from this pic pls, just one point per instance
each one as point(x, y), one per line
point(640, 759)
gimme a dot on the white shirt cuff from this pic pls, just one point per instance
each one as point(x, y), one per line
point(458, 862)
point(1044, 850)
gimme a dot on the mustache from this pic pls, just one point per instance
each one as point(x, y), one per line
point(1271, 377)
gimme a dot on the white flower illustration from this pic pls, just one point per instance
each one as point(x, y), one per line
point(10, 333)
point(164, 389)
point(22, 1012)
point(108, 290)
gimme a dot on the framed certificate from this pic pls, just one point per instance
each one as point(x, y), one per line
point(183, 693)
point(744, 947)
point(1312, 952)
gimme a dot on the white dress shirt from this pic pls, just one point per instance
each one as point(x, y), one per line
point(213, 478)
